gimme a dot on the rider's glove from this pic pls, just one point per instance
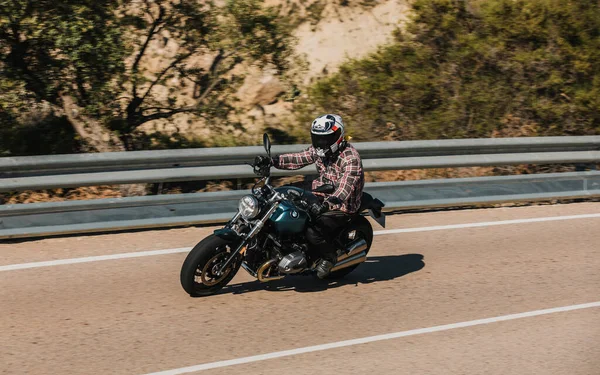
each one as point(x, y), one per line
point(317, 209)
point(263, 161)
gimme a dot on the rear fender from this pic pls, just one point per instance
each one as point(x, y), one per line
point(376, 212)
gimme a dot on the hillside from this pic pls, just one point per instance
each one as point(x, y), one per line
point(454, 69)
point(326, 37)
point(474, 69)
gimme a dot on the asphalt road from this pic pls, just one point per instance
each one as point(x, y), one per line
point(130, 315)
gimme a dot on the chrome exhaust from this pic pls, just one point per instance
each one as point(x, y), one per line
point(354, 248)
point(265, 268)
point(347, 262)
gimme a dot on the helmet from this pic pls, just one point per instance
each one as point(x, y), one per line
point(327, 134)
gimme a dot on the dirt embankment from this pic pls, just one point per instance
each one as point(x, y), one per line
point(328, 33)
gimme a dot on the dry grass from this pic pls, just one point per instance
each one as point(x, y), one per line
point(426, 174)
point(59, 195)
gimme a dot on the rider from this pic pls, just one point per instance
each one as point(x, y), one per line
point(339, 164)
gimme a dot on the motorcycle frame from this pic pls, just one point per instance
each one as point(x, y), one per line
point(274, 203)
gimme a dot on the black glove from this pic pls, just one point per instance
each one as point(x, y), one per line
point(263, 162)
point(317, 209)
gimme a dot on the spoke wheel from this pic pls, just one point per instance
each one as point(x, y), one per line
point(208, 275)
point(199, 272)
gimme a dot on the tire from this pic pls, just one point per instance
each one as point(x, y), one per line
point(363, 228)
point(212, 249)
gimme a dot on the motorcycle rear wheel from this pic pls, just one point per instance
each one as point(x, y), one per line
point(363, 230)
point(198, 273)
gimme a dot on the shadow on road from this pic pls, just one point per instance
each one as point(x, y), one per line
point(373, 270)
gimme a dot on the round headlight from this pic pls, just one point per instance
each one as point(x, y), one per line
point(248, 207)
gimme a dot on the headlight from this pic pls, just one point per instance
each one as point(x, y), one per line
point(248, 207)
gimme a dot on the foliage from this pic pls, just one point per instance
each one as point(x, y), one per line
point(48, 49)
point(50, 135)
point(52, 47)
point(96, 62)
point(240, 31)
point(474, 69)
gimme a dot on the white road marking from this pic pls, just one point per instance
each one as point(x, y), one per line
point(365, 340)
point(486, 224)
point(60, 262)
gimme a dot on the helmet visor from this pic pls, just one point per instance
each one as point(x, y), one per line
point(324, 141)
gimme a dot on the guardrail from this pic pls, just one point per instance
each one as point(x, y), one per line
point(40, 219)
point(49, 165)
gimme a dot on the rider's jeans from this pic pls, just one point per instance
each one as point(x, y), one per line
point(321, 236)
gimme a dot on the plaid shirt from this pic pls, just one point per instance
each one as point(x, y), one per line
point(345, 173)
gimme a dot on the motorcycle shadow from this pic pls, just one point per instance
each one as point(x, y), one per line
point(375, 269)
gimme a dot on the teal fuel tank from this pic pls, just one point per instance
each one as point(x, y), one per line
point(287, 219)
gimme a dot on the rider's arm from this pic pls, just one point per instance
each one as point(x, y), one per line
point(296, 160)
point(351, 174)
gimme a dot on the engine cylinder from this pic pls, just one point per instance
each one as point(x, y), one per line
point(293, 263)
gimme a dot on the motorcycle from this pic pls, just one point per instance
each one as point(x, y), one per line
point(266, 238)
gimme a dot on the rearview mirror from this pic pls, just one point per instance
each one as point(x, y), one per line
point(267, 143)
point(325, 189)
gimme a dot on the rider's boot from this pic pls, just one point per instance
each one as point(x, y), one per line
point(321, 245)
point(323, 268)
point(326, 263)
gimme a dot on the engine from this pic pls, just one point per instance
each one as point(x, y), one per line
point(278, 255)
point(293, 263)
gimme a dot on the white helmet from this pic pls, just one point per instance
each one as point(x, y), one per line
point(327, 134)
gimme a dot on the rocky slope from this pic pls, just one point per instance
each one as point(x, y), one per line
point(328, 33)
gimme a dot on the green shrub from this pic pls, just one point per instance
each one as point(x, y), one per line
point(51, 135)
point(474, 69)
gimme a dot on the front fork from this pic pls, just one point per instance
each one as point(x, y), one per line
point(249, 236)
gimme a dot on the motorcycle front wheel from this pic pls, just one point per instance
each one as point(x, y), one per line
point(199, 270)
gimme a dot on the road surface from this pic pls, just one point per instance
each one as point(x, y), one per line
point(419, 302)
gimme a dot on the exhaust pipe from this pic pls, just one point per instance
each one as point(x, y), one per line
point(262, 277)
point(356, 253)
point(355, 247)
point(347, 262)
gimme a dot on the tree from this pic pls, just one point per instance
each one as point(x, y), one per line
point(475, 68)
point(63, 53)
point(93, 60)
point(241, 31)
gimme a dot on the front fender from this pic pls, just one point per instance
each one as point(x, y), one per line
point(227, 234)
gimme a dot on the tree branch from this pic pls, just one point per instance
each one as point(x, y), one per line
point(148, 11)
point(90, 130)
point(212, 85)
point(157, 109)
point(161, 115)
point(164, 71)
point(214, 74)
point(153, 31)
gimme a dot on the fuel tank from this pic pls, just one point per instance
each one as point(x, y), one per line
point(287, 219)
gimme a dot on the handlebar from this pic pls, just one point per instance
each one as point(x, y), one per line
point(264, 171)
